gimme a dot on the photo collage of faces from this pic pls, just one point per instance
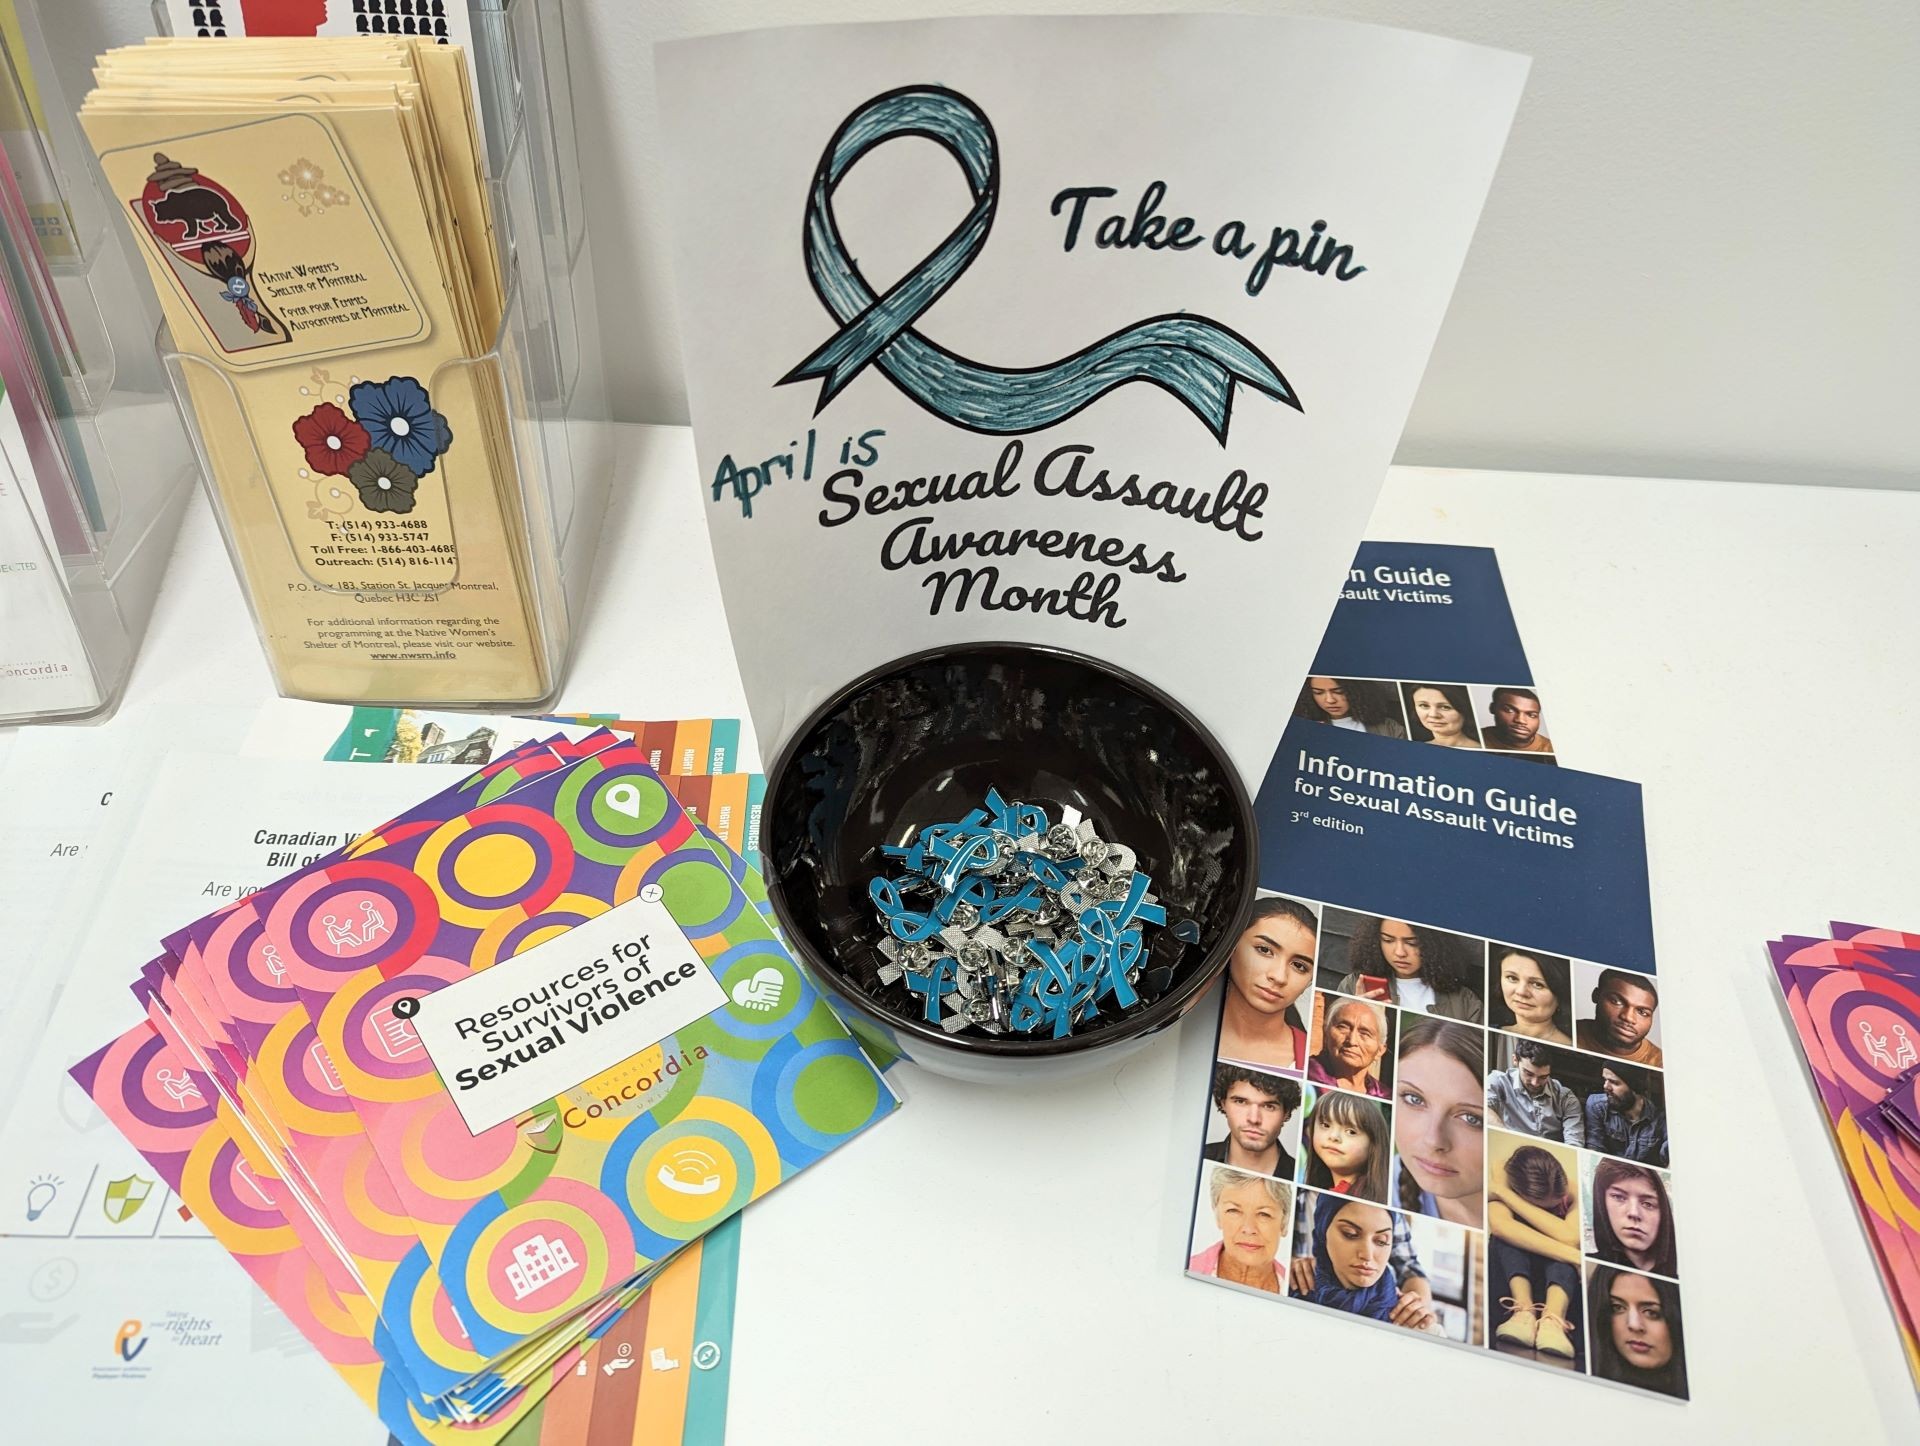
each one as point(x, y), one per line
point(1505, 719)
point(1447, 1134)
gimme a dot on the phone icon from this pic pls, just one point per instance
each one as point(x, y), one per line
point(690, 1172)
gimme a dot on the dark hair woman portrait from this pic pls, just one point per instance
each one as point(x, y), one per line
point(1351, 1242)
point(1356, 703)
point(1440, 713)
point(1530, 993)
point(1632, 1219)
point(1428, 970)
point(1637, 1339)
point(1269, 969)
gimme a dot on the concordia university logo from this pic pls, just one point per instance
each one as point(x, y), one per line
point(1195, 360)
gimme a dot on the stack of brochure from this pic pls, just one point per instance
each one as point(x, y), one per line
point(1854, 999)
point(453, 1094)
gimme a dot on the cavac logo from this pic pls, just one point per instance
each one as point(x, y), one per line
point(129, 1343)
point(125, 1343)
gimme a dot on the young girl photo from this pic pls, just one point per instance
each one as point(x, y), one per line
point(1345, 1146)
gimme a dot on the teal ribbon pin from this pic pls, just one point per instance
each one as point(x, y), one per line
point(1196, 360)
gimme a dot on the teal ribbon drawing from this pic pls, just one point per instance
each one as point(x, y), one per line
point(1195, 359)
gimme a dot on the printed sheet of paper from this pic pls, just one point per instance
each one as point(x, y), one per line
point(1097, 333)
point(69, 1239)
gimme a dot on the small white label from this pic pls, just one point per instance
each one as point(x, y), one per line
point(516, 1035)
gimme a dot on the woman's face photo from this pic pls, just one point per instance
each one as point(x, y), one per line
point(1342, 1147)
point(1526, 991)
point(1250, 1223)
point(1353, 1039)
point(1439, 1123)
point(1640, 1330)
point(1400, 947)
point(1272, 964)
point(1358, 1243)
point(1436, 714)
point(1331, 697)
point(1633, 1210)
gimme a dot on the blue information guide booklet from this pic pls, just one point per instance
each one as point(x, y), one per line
point(1438, 1101)
point(1422, 645)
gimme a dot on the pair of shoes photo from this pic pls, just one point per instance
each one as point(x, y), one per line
point(1533, 1327)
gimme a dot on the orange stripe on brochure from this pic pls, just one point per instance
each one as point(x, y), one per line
point(663, 1407)
point(691, 742)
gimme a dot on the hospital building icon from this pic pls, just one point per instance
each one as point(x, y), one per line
point(536, 1261)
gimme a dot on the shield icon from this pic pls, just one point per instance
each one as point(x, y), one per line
point(542, 1131)
point(125, 1197)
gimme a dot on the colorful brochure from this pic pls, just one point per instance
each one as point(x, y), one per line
point(1854, 1001)
point(469, 1245)
point(81, 1259)
point(686, 1314)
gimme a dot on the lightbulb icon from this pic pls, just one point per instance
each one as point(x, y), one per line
point(40, 1195)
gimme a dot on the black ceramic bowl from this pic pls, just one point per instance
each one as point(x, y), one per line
point(920, 741)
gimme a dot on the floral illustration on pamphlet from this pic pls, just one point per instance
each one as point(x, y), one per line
point(308, 188)
point(208, 241)
point(386, 438)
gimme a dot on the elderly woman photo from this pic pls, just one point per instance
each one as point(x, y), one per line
point(1253, 1215)
point(1352, 1044)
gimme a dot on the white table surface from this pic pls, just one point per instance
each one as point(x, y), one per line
point(1005, 1266)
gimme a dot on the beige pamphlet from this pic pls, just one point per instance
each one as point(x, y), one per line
point(314, 218)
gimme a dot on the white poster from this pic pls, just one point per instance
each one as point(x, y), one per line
point(1097, 333)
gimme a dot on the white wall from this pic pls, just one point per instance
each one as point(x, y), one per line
point(1688, 265)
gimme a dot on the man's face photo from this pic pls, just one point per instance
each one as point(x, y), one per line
point(1254, 1117)
point(1619, 1093)
point(1625, 1012)
point(1520, 717)
point(1534, 1075)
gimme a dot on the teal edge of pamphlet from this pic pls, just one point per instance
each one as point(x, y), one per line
point(706, 1418)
